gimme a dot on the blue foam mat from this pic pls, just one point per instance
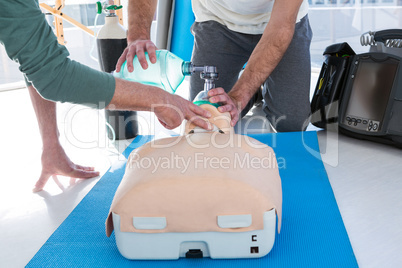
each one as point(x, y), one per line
point(312, 235)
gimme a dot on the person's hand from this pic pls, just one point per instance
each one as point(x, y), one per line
point(138, 47)
point(176, 109)
point(56, 162)
point(218, 95)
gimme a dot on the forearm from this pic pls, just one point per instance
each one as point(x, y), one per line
point(265, 57)
point(140, 15)
point(46, 116)
point(269, 50)
point(170, 109)
point(54, 159)
point(135, 96)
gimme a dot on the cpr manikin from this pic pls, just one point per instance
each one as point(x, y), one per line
point(212, 194)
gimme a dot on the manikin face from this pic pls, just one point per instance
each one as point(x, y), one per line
point(220, 121)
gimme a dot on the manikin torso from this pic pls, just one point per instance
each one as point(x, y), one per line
point(193, 178)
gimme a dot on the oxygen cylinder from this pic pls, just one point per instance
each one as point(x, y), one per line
point(111, 42)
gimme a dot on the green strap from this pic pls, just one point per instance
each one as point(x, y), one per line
point(201, 102)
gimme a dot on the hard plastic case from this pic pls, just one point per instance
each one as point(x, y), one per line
point(216, 245)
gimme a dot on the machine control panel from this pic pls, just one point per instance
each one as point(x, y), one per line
point(362, 123)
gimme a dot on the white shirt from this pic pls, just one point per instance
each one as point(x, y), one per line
point(244, 16)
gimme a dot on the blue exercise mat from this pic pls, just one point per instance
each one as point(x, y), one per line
point(312, 234)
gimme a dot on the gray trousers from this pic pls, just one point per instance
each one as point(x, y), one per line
point(286, 91)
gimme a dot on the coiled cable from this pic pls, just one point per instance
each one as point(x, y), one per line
point(397, 43)
point(367, 39)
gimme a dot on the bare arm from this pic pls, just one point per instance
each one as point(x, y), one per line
point(170, 109)
point(269, 51)
point(140, 15)
point(54, 159)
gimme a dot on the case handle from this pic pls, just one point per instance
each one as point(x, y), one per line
point(382, 36)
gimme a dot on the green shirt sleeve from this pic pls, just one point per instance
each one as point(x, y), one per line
point(30, 41)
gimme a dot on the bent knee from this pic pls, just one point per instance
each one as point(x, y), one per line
point(291, 122)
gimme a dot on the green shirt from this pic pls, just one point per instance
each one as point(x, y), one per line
point(30, 41)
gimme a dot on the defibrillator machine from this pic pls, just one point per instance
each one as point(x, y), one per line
point(362, 93)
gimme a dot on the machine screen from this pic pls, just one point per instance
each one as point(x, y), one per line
point(370, 93)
